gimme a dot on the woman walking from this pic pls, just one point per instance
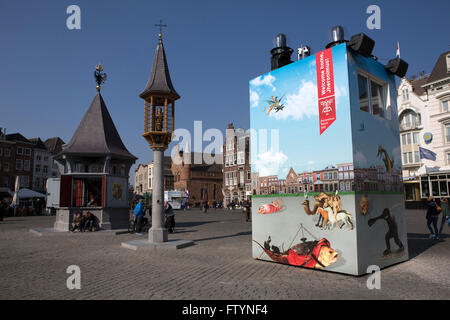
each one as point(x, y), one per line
point(432, 218)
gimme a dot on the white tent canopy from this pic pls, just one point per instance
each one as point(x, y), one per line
point(27, 193)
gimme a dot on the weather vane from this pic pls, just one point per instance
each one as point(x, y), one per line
point(160, 25)
point(100, 76)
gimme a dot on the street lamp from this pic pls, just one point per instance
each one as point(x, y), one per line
point(159, 120)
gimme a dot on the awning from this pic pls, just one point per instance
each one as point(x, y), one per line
point(27, 193)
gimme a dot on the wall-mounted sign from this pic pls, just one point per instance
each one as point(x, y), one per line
point(427, 137)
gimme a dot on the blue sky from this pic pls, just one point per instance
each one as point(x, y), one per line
point(213, 48)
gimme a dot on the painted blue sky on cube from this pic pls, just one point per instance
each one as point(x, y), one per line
point(298, 122)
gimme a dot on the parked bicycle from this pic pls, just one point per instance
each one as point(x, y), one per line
point(133, 223)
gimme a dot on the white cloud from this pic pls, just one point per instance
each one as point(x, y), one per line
point(268, 163)
point(300, 104)
point(267, 80)
point(254, 98)
point(360, 160)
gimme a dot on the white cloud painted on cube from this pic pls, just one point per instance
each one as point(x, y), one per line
point(254, 98)
point(360, 159)
point(304, 102)
point(268, 163)
point(267, 80)
point(300, 104)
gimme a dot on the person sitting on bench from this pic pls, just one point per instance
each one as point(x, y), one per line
point(89, 222)
point(78, 222)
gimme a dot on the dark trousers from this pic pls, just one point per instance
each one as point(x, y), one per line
point(138, 225)
point(432, 220)
point(88, 224)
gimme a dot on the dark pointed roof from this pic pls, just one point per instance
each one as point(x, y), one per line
point(38, 143)
point(54, 145)
point(159, 81)
point(440, 70)
point(17, 137)
point(97, 135)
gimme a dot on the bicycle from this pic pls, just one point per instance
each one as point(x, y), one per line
point(144, 227)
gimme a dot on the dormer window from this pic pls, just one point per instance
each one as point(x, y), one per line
point(405, 94)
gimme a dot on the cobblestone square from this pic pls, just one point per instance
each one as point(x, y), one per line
point(218, 266)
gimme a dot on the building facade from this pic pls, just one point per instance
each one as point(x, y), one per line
point(17, 159)
point(202, 181)
point(54, 146)
point(143, 177)
point(42, 167)
point(142, 182)
point(237, 178)
point(424, 120)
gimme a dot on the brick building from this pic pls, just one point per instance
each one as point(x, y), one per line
point(16, 159)
point(237, 179)
point(202, 181)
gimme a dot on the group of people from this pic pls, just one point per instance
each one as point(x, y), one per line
point(85, 222)
point(433, 211)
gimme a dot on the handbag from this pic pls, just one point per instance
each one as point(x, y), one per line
point(438, 208)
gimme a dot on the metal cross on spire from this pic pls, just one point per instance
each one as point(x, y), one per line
point(160, 25)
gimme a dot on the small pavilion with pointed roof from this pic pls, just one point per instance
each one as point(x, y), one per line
point(96, 168)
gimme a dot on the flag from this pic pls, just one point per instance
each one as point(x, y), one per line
point(427, 154)
point(398, 50)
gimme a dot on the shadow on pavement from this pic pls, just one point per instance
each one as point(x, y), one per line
point(419, 243)
point(228, 236)
point(192, 223)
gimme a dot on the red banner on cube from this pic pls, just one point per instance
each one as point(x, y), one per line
point(325, 88)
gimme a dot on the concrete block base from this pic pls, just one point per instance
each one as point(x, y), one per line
point(143, 244)
point(158, 235)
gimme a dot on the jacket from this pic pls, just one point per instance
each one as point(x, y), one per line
point(432, 209)
point(139, 210)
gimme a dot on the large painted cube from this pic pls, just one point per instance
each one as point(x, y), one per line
point(325, 150)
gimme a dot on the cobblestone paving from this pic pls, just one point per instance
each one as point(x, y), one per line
point(218, 266)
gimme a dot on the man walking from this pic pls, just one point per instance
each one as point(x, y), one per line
point(432, 218)
point(139, 214)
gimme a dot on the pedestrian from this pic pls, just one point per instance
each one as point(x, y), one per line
point(139, 214)
point(89, 221)
point(445, 214)
point(169, 216)
point(247, 207)
point(78, 222)
point(432, 218)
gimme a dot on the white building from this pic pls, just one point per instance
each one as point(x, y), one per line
point(142, 179)
point(424, 116)
point(42, 165)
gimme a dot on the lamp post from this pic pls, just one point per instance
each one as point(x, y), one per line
point(159, 120)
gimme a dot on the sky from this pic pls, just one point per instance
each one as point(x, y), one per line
point(213, 49)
